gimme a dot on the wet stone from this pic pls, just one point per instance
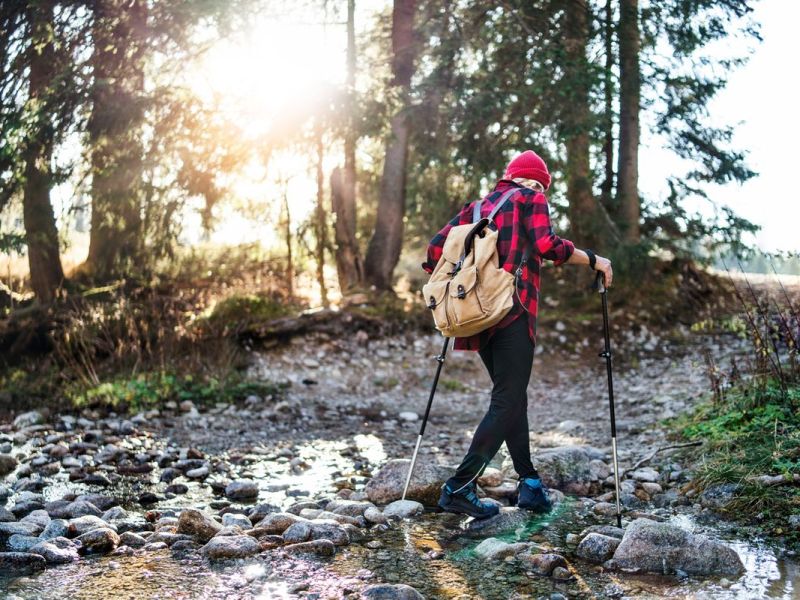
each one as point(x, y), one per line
point(320, 547)
point(403, 509)
point(665, 548)
point(544, 563)
point(232, 546)
point(425, 486)
point(242, 489)
point(81, 525)
point(7, 464)
point(508, 519)
point(196, 523)
point(236, 520)
point(21, 543)
point(55, 528)
point(596, 547)
point(58, 551)
point(132, 540)
point(494, 549)
point(21, 563)
point(386, 591)
point(98, 541)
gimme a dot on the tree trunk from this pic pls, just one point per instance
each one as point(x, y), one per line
point(384, 247)
point(628, 169)
point(583, 209)
point(41, 234)
point(322, 229)
point(349, 267)
point(607, 187)
point(287, 234)
point(349, 264)
point(115, 137)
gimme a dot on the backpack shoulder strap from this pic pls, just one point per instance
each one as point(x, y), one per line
point(476, 210)
point(502, 201)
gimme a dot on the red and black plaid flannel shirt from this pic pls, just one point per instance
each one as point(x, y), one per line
point(523, 220)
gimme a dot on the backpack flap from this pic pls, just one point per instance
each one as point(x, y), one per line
point(464, 296)
point(435, 295)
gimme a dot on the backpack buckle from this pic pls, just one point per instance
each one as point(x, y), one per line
point(432, 303)
point(462, 293)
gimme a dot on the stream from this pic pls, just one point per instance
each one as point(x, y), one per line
point(346, 413)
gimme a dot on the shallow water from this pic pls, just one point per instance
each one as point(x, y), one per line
point(434, 554)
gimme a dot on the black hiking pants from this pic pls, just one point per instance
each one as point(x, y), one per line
point(508, 356)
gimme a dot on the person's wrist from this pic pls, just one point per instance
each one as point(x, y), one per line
point(592, 258)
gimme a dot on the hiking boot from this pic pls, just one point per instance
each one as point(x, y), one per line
point(532, 495)
point(466, 502)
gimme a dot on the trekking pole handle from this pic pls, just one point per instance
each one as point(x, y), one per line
point(599, 282)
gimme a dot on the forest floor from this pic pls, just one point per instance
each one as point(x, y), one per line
point(352, 403)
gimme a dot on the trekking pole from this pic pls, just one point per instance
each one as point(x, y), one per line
point(599, 285)
point(440, 359)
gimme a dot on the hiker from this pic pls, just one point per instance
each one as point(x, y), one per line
point(506, 348)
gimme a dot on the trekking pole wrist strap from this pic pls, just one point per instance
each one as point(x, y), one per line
point(592, 258)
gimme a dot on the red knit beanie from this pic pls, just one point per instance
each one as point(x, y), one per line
point(530, 166)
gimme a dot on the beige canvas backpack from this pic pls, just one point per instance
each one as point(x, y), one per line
point(468, 291)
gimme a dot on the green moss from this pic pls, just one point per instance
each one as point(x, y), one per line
point(150, 390)
point(752, 433)
point(453, 385)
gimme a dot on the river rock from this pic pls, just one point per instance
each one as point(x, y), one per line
point(507, 520)
point(320, 547)
point(316, 530)
point(494, 549)
point(257, 513)
point(386, 591)
point(19, 528)
point(403, 509)
point(242, 489)
point(374, 515)
point(197, 523)
point(79, 508)
point(597, 547)
point(644, 474)
point(568, 468)
point(425, 486)
point(231, 546)
point(351, 508)
point(27, 419)
point(86, 523)
point(7, 464)
point(276, 523)
point(718, 496)
point(98, 541)
point(491, 477)
point(544, 563)
point(58, 551)
point(55, 528)
point(20, 563)
point(236, 520)
point(665, 548)
point(132, 540)
point(21, 543)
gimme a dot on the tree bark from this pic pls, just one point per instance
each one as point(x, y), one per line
point(322, 229)
point(629, 105)
point(607, 187)
point(384, 247)
point(287, 234)
point(349, 265)
point(41, 233)
point(583, 208)
point(114, 129)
